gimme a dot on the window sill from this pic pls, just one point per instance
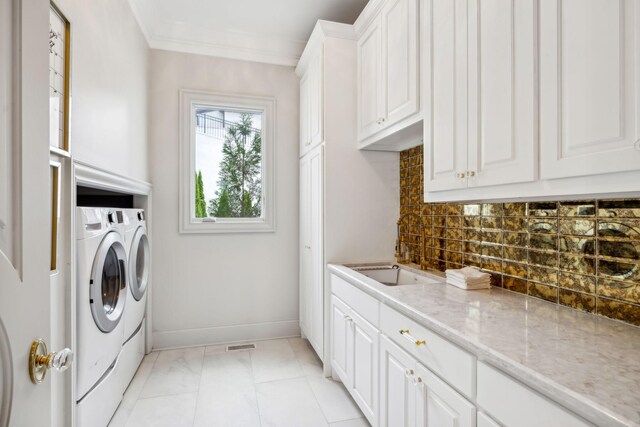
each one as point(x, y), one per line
point(226, 227)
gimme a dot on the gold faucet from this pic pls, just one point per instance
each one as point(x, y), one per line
point(401, 253)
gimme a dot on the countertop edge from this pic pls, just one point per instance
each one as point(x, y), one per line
point(575, 402)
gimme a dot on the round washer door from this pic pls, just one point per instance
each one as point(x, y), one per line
point(139, 264)
point(108, 289)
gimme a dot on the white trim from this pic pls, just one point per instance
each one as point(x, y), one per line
point(94, 177)
point(266, 105)
point(225, 334)
point(322, 31)
point(368, 14)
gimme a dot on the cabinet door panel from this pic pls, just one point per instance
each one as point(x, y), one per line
point(305, 137)
point(316, 166)
point(486, 421)
point(444, 54)
point(305, 248)
point(316, 106)
point(502, 90)
point(369, 81)
point(400, 69)
point(439, 405)
point(397, 390)
point(365, 367)
point(341, 336)
point(589, 87)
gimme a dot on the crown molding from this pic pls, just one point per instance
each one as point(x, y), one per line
point(369, 13)
point(322, 31)
point(95, 177)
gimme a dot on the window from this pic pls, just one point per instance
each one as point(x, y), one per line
point(227, 163)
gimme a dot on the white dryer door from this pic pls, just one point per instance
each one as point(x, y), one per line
point(139, 264)
point(108, 285)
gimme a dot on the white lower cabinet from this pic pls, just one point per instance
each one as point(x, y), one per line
point(485, 421)
point(354, 356)
point(397, 390)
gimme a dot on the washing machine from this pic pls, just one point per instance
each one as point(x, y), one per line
point(101, 285)
point(138, 256)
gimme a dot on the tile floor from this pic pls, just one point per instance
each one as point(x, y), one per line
point(279, 384)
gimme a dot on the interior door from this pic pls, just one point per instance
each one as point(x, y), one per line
point(25, 226)
point(444, 56)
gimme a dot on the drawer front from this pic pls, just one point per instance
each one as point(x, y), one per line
point(511, 403)
point(365, 305)
point(449, 362)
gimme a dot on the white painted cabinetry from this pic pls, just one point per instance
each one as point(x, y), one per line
point(388, 84)
point(397, 390)
point(589, 87)
point(311, 104)
point(479, 93)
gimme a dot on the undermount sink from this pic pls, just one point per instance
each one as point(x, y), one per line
point(394, 275)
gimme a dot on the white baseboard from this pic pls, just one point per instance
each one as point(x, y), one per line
point(225, 334)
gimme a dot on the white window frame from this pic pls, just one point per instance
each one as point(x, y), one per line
point(189, 101)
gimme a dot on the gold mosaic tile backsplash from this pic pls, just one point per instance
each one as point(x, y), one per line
point(582, 254)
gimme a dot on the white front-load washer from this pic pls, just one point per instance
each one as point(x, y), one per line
point(138, 255)
point(101, 285)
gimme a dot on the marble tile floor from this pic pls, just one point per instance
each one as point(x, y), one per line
point(279, 384)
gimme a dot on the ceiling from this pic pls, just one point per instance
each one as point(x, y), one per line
point(272, 31)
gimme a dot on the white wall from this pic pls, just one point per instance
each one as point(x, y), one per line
point(109, 82)
point(213, 287)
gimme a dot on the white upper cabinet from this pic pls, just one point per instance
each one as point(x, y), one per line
point(388, 86)
point(589, 87)
point(502, 90)
point(400, 60)
point(479, 93)
point(311, 103)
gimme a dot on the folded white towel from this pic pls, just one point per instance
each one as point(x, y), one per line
point(468, 278)
point(467, 273)
point(468, 286)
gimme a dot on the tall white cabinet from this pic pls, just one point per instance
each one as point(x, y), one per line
point(348, 198)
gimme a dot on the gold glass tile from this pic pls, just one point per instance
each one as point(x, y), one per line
point(626, 312)
point(454, 221)
point(404, 163)
point(577, 282)
point(577, 264)
point(492, 251)
point(492, 209)
point(427, 209)
point(545, 259)
point(454, 233)
point(492, 222)
point(515, 254)
point(577, 245)
point(619, 229)
point(542, 208)
point(543, 225)
point(472, 210)
point(473, 235)
point(404, 173)
point(427, 231)
point(440, 209)
point(545, 292)
point(494, 265)
point(514, 209)
point(515, 269)
point(454, 257)
point(627, 250)
point(578, 208)
point(439, 220)
point(471, 222)
point(543, 241)
point(454, 209)
point(577, 300)
point(619, 289)
point(404, 155)
point(491, 236)
point(577, 227)
point(439, 232)
point(455, 245)
point(548, 276)
point(472, 247)
point(415, 170)
point(472, 260)
point(495, 279)
point(515, 239)
point(619, 208)
point(453, 265)
point(515, 224)
point(619, 269)
point(514, 284)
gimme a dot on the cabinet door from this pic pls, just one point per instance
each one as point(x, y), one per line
point(438, 405)
point(305, 134)
point(502, 92)
point(397, 389)
point(370, 111)
point(589, 87)
point(305, 247)
point(316, 106)
point(316, 207)
point(365, 352)
point(399, 60)
point(341, 337)
point(444, 55)
point(485, 421)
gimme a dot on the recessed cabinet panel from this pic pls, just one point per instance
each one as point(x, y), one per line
point(369, 80)
point(502, 90)
point(445, 81)
point(340, 338)
point(397, 390)
point(365, 367)
point(316, 123)
point(305, 133)
point(305, 248)
point(589, 87)
point(400, 71)
point(317, 258)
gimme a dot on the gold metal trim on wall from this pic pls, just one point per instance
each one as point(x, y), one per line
point(63, 86)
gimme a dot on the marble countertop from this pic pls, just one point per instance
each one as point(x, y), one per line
point(586, 363)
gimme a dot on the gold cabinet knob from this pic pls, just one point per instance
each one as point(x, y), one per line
point(40, 361)
point(404, 331)
point(421, 342)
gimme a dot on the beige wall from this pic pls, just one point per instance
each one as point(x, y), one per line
point(216, 287)
point(109, 81)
